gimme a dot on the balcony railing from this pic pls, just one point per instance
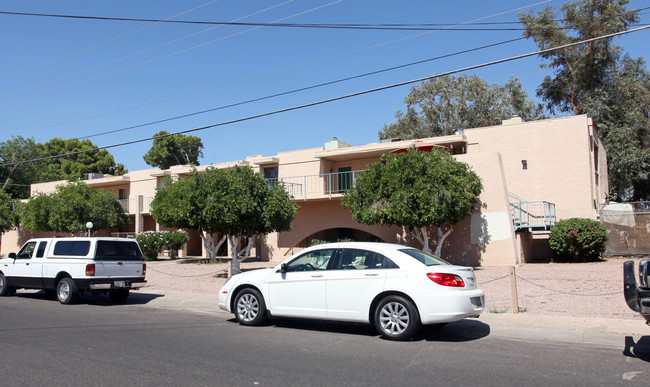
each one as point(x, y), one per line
point(532, 216)
point(318, 186)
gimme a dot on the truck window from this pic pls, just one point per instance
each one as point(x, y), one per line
point(118, 251)
point(41, 250)
point(75, 248)
point(27, 251)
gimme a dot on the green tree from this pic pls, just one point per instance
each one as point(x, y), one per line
point(74, 166)
point(597, 80)
point(16, 174)
point(238, 204)
point(8, 217)
point(416, 190)
point(70, 207)
point(174, 149)
point(441, 106)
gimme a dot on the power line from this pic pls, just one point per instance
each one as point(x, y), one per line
point(302, 88)
point(262, 75)
point(100, 44)
point(353, 26)
point(140, 53)
point(321, 102)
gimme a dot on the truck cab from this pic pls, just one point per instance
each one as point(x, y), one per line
point(637, 294)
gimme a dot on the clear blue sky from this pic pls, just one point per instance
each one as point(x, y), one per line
point(74, 78)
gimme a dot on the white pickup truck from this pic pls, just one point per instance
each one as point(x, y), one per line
point(70, 266)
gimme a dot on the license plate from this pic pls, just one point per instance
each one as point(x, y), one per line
point(119, 284)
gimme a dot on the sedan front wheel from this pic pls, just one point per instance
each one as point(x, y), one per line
point(250, 308)
point(396, 318)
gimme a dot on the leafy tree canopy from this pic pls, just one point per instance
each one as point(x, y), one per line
point(174, 149)
point(415, 190)
point(441, 106)
point(597, 80)
point(74, 166)
point(70, 207)
point(18, 171)
point(237, 203)
point(8, 217)
point(17, 175)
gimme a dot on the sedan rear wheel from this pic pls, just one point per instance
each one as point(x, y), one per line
point(250, 308)
point(396, 318)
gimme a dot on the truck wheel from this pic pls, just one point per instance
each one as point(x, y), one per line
point(5, 289)
point(119, 296)
point(66, 291)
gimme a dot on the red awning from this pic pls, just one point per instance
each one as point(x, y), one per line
point(419, 145)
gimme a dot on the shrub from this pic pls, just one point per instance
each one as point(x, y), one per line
point(578, 239)
point(174, 241)
point(151, 243)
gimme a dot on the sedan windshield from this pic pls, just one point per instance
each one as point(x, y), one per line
point(425, 258)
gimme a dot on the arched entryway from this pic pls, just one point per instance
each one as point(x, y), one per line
point(338, 235)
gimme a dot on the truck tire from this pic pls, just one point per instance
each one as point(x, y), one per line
point(119, 296)
point(67, 291)
point(5, 289)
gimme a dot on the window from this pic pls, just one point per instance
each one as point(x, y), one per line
point(426, 258)
point(271, 172)
point(75, 248)
point(121, 194)
point(27, 251)
point(314, 260)
point(363, 259)
point(118, 251)
point(41, 250)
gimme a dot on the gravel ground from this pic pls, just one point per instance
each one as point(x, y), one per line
point(556, 289)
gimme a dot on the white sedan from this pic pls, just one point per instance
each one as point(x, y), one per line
point(394, 287)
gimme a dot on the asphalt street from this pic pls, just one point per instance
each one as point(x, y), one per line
point(146, 342)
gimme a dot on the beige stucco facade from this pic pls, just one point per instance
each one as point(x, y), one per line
point(557, 161)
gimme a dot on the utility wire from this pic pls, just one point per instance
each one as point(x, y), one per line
point(280, 70)
point(302, 88)
point(102, 43)
point(324, 101)
point(402, 27)
point(137, 54)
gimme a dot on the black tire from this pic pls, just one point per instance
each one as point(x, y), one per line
point(119, 296)
point(5, 289)
point(396, 318)
point(249, 307)
point(67, 291)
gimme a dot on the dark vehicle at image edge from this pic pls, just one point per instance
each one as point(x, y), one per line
point(637, 295)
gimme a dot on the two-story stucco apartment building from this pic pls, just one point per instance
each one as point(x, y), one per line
point(533, 173)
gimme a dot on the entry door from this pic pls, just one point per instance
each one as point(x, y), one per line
point(345, 178)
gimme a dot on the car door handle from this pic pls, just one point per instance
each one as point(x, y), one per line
point(26, 263)
point(371, 274)
point(317, 276)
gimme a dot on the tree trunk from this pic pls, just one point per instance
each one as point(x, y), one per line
point(238, 256)
point(209, 242)
point(422, 235)
point(441, 238)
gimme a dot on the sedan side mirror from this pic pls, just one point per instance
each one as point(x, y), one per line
point(12, 255)
point(284, 268)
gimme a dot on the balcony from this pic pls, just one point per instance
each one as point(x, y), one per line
point(532, 216)
point(324, 186)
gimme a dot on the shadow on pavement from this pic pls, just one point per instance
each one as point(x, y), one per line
point(639, 349)
point(460, 331)
point(100, 299)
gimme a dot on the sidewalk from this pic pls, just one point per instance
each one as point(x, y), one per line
point(560, 301)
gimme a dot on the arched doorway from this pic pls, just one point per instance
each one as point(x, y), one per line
point(341, 234)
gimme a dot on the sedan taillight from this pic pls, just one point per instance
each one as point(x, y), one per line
point(446, 279)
